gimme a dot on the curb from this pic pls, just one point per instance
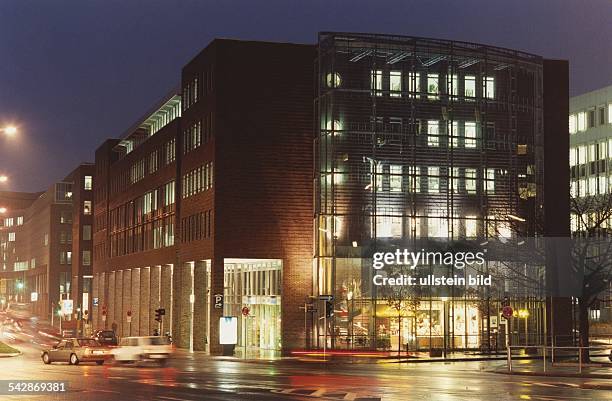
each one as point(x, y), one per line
point(559, 374)
point(10, 355)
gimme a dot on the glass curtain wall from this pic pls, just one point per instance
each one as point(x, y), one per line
point(421, 141)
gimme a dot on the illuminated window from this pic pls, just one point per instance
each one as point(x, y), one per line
point(609, 113)
point(453, 133)
point(414, 83)
point(8, 222)
point(11, 237)
point(87, 207)
point(572, 124)
point(415, 179)
point(582, 188)
point(19, 220)
point(471, 227)
point(88, 184)
point(379, 176)
point(490, 180)
point(452, 86)
point(433, 179)
point(395, 178)
point(470, 134)
point(488, 87)
point(388, 223)
point(437, 226)
point(395, 83)
point(470, 180)
point(574, 189)
point(581, 154)
point(455, 179)
point(433, 132)
point(572, 157)
point(333, 80)
point(469, 86)
point(376, 82)
point(432, 86)
point(582, 123)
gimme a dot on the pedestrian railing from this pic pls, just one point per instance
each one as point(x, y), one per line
point(553, 351)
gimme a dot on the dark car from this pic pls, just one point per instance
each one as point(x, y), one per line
point(106, 337)
point(76, 350)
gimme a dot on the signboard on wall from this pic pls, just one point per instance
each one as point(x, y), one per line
point(67, 307)
point(34, 297)
point(228, 330)
point(218, 300)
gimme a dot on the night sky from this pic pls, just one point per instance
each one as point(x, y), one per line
point(73, 73)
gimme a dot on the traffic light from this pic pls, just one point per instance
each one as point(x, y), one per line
point(329, 309)
point(159, 313)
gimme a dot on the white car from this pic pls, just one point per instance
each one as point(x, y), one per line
point(150, 348)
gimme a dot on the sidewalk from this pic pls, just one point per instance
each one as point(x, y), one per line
point(559, 369)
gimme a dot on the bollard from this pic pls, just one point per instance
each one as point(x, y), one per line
point(544, 354)
point(509, 360)
point(579, 359)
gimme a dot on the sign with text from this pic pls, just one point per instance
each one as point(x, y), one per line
point(218, 301)
point(228, 330)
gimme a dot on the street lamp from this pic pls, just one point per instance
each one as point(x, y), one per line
point(9, 130)
point(3, 178)
point(3, 210)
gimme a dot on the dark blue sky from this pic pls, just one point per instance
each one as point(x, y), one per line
point(73, 73)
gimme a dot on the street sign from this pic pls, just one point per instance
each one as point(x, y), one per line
point(245, 311)
point(507, 312)
point(95, 301)
point(67, 306)
point(218, 301)
point(34, 297)
point(326, 297)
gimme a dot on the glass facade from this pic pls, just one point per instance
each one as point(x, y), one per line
point(419, 140)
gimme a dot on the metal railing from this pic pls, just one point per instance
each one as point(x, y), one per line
point(542, 350)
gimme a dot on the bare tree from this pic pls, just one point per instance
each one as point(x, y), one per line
point(591, 254)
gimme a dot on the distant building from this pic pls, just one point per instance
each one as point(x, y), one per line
point(590, 126)
point(42, 242)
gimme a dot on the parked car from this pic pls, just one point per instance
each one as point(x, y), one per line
point(150, 348)
point(76, 350)
point(106, 337)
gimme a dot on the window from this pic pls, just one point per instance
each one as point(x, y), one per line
point(376, 82)
point(169, 193)
point(170, 150)
point(62, 237)
point(572, 124)
point(8, 222)
point(490, 180)
point(395, 83)
point(414, 83)
point(11, 237)
point(88, 183)
point(488, 87)
point(610, 113)
point(46, 239)
point(87, 207)
point(153, 161)
point(433, 179)
point(19, 220)
point(469, 86)
point(582, 123)
point(432, 86)
point(602, 116)
point(470, 180)
point(433, 138)
point(470, 226)
point(86, 258)
point(379, 176)
point(65, 257)
point(581, 154)
point(455, 179)
point(437, 226)
point(65, 217)
point(415, 179)
point(470, 134)
point(395, 178)
point(453, 133)
point(452, 85)
point(388, 223)
point(86, 232)
point(591, 118)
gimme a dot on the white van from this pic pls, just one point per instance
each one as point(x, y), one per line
point(150, 348)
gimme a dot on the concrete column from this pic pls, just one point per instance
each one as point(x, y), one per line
point(118, 312)
point(154, 290)
point(166, 296)
point(201, 306)
point(145, 301)
point(135, 303)
point(217, 287)
point(112, 305)
point(127, 300)
point(182, 288)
